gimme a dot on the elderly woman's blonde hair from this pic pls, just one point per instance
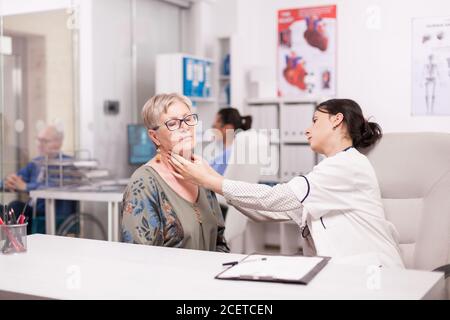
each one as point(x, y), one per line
point(158, 105)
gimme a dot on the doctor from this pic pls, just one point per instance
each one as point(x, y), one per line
point(337, 206)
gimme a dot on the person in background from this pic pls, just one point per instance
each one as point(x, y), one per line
point(158, 208)
point(228, 124)
point(35, 176)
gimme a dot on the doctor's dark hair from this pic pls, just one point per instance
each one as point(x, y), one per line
point(362, 132)
point(233, 117)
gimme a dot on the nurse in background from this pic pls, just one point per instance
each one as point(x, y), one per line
point(228, 124)
point(338, 205)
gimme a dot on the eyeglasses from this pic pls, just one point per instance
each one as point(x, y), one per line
point(43, 140)
point(175, 124)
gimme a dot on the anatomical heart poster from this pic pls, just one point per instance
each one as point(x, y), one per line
point(307, 52)
point(431, 66)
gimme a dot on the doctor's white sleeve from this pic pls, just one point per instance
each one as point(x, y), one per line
point(265, 216)
point(272, 202)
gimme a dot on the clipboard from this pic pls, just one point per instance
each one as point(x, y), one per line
point(273, 268)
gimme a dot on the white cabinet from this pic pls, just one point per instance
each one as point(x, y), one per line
point(295, 119)
point(291, 156)
point(288, 120)
point(296, 160)
point(270, 163)
point(265, 117)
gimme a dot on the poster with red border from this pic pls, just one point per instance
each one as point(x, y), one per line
point(306, 66)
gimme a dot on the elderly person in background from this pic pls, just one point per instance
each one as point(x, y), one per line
point(34, 176)
point(158, 208)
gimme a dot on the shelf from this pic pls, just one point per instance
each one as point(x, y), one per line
point(257, 101)
point(187, 55)
point(198, 99)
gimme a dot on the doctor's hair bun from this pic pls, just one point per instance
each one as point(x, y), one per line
point(233, 117)
point(370, 134)
point(246, 123)
point(362, 132)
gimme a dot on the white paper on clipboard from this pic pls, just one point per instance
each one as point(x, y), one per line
point(295, 269)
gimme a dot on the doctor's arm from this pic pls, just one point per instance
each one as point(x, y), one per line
point(251, 199)
point(267, 216)
point(262, 198)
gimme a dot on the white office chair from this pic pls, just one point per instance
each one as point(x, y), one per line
point(413, 171)
point(242, 234)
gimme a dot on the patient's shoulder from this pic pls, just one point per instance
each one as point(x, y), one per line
point(144, 171)
point(144, 178)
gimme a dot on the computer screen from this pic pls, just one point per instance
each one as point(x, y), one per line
point(140, 148)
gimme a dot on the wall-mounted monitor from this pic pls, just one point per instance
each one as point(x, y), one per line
point(140, 148)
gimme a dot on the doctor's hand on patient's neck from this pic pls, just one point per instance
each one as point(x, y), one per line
point(167, 165)
point(197, 171)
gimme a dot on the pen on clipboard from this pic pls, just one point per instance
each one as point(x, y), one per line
point(232, 263)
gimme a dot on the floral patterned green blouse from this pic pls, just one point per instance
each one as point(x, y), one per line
point(154, 214)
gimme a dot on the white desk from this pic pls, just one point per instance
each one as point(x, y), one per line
point(50, 195)
point(69, 268)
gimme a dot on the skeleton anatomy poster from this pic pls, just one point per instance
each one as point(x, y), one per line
point(431, 66)
point(307, 52)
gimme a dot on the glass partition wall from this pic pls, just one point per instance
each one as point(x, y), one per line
point(39, 99)
point(53, 96)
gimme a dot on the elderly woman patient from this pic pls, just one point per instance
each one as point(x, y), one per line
point(158, 208)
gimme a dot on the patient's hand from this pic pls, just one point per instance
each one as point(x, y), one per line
point(197, 171)
point(15, 183)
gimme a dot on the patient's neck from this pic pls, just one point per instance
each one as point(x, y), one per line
point(166, 171)
point(165, 156)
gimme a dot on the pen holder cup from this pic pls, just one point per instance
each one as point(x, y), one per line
point(13, 238)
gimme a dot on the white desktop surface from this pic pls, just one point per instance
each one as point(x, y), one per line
point(68, 268)
point(78, 194)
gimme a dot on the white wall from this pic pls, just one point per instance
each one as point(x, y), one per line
point(374, 66)
point(202, 22)
point(111, 80)
point(9, 7)
point(157, 30)
point(224, 17)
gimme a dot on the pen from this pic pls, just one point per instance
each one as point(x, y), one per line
point(12, 216)
point(24, 208)
point(21, 219)
point(251, 260)
point(232, 263)
point(5, 217)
